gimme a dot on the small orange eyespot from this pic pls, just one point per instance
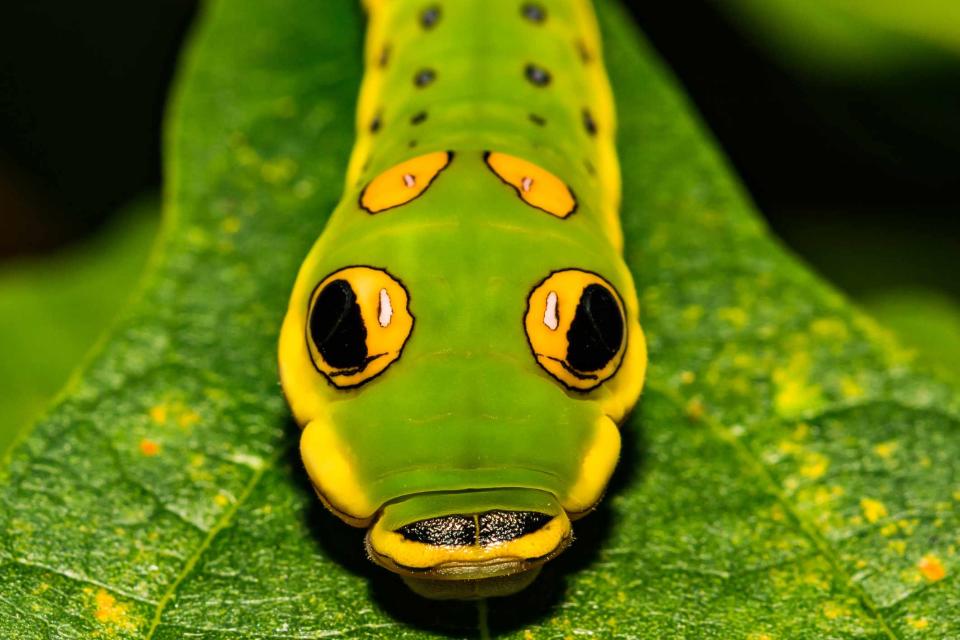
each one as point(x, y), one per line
point(536, 186)
point(358, 321)
point(404, 182)
point(576, 327)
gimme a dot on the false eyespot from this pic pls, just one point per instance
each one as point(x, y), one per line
point(358, 321)
point(535, 185)
point(576, 328)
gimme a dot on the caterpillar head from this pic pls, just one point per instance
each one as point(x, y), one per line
point(460, 347)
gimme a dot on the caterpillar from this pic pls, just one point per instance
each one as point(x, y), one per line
point(462, 341)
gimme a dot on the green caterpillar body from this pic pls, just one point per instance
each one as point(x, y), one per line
point(463, 339)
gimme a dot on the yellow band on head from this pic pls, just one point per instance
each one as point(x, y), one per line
point(595, 470)
point(332, 473)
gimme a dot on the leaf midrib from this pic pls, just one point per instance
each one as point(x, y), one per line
point(222, 523)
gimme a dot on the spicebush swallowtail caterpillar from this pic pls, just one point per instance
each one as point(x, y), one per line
point(462, 341)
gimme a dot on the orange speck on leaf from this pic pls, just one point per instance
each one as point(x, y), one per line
point(112, 613)
point(149, 447)
point(932, 568)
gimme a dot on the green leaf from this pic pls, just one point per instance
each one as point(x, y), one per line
point(53, 309)
point(881, 38)
point(926, 320)
point(790, 472)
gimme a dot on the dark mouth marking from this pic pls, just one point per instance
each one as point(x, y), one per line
point(491, 527)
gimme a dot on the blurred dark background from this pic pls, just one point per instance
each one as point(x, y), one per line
point(861, 161)
point(843, 126)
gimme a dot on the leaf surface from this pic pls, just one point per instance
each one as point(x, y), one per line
point(789, 472)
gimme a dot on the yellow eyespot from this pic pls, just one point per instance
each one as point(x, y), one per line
point(404, 182)
point(537, 187)
point(576, 327)
point(358, 320)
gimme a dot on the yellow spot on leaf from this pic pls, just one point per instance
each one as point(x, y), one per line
point(889, 529)
point(834, 610)
point(527, 634)
point(149, 447)
point(735, 316)
point(873, 510)
point(850, 388)
point(931, 568)
point(187, 418)
point(956, 495)
point(795, 393)
point(687, 377)
point(899, 547)
point(158, 413)
point(801, 432)
point(221, 500)
point(832, 328)
point(814, 466)
point(694, 409)
point(816, 580)
point(918, 623)
point(111, 613)
point(886, 449)
point(230, 224)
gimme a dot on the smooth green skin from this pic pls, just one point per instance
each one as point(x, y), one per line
point(469, 251)
point(710, 531)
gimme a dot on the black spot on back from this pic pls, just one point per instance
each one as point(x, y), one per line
point(537, 120)
point(376, 123)
point(429, 17)
point(418, 117)
point(424, 77)
point(534, 12)
point(412, 144)
point(590, 168)
point(445, 531)
point(596, 333)
point(538, 76)
point(503, 526)
point(336, 327)
point(384, 56)
point(584, 52)
point(588, 122)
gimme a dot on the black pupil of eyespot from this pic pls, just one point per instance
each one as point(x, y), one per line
point(596, 333)
point(336, 326)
